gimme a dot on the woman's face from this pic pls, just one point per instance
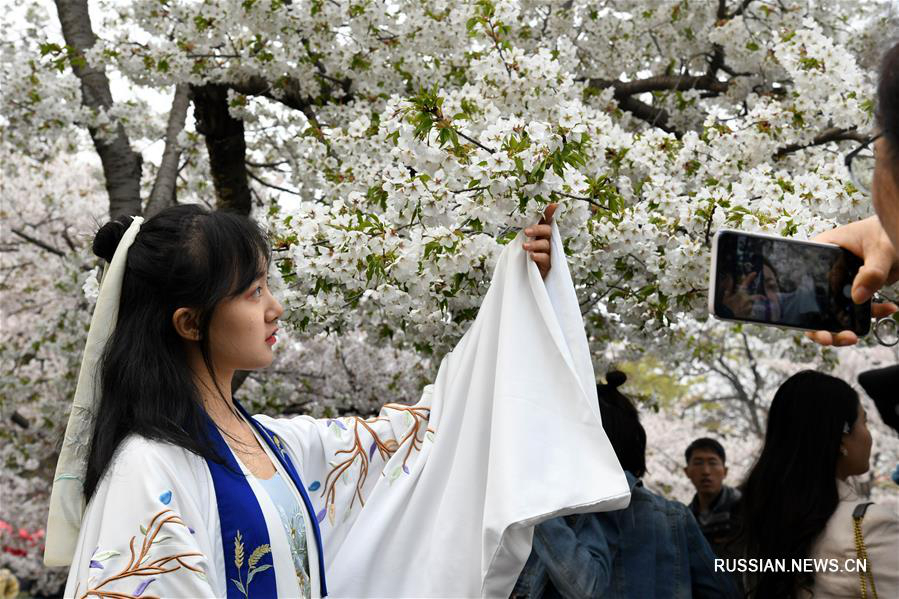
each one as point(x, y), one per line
point(855, 448)
point(885, 189)
point(241, 332)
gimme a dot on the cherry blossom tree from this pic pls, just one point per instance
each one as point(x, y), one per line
point(48, 208)
point(395, 147)
point(392, 149)
point(674, 419)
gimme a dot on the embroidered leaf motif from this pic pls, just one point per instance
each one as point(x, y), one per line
point(238, 551)
point(321, 515)
point(394, 474)
point(162, 538)
point(315, 486)
point(254, 571)
point(239, 585)
point(142, 563)
point(143, 530)
point(166, 498)
point(331, 513)
point(339, 424)
point(405, 469)
point(371, 450)
point(142, 587)
point(105, 555)
point(257, 555)
point(278, 444)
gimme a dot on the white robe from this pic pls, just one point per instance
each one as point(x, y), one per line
point(508, 435)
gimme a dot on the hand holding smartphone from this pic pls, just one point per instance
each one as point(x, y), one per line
point(784, 282)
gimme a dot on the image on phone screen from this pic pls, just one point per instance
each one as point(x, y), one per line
point(786, 282)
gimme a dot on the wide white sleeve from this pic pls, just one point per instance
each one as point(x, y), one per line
point(440, 499)
point(341, 459)
point(144, 531)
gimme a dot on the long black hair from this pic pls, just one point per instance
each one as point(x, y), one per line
point(888, 100)
point(621, 421)
point(184, 256)
point(791, 491)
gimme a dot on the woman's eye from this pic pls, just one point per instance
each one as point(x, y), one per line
point(257, 292)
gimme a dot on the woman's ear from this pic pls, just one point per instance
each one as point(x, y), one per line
point(185, 322)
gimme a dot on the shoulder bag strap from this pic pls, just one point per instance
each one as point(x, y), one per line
point(861, 552)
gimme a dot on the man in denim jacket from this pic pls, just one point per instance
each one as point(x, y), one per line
point(653, 548)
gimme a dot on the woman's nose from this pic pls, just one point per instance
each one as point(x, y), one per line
point(279, 309)
point(276, 309)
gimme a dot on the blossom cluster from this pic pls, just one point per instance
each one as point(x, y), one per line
point(394, 148)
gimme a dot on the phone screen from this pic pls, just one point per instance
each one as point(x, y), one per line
point(787, 283)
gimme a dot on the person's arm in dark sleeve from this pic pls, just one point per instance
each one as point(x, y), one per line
point(706, 582)
point(578, 564)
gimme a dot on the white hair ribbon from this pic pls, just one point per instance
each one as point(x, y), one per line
point(67, 497)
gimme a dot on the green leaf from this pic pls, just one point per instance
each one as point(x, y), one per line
point(105, 555)
point(49, 48)
point(254, 571)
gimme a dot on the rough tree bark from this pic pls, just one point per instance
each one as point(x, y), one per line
point(226, 146)
point(163, 192)
point(121, 164)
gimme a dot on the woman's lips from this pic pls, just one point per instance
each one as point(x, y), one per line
point(271, 340)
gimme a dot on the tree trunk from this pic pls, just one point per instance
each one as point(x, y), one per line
point(121, 164)
point(163, 193)
point(226, 146)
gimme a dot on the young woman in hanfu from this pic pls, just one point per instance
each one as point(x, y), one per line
point(166, 487)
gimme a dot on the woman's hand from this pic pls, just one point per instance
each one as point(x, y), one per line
point(538, 244)
point(737, 298)
point(867, 240)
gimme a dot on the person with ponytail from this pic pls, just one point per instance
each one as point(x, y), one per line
point(798, 504)
point(653, 548)
point(165, 485)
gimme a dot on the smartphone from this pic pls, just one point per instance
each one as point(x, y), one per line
point(785, 283)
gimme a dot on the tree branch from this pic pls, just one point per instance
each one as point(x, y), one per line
point(20, 420)
point(721, 13)
point(740, 9)
point(163, 192)
point(707, 82)
point(624, 91)
point(121, 164)
point(259, 180)
point(41, 244)
point(289, 93)
point(826, 136)
point(474, 141)
point(590, 201)
point(226, 146)
point(743, 396)
point(657, 117)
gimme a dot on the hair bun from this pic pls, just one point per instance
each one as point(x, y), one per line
point(615, 379)
point(108, 237)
